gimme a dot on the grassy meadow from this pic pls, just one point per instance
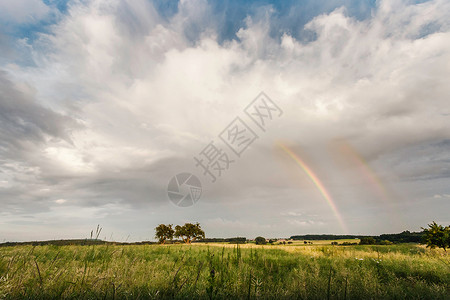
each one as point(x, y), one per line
point(224, 271)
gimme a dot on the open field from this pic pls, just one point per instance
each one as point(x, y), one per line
point(319, 242)
point(224, 271)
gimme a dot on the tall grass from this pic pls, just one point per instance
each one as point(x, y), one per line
point(223, 272)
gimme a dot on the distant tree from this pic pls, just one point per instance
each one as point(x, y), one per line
point(367, 241)
point(260, 240)
point(164, 232)
point(403, 237)
point(385, 242)
point(189, 232)
point(437, 236)
point(305, 242)
point(334, 243)
point(348, 244)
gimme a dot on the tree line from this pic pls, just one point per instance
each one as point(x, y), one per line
point(403, 237)
point(434, 236)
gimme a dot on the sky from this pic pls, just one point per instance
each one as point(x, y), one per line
point(325, 117)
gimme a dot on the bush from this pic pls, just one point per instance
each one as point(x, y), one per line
point(386, 242)
point(260, 240)
point(437, 236)
point(348, 244)
point(367, 241)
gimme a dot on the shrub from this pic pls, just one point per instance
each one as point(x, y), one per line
point(437, 236)
point(260, 240)
point(367, 241)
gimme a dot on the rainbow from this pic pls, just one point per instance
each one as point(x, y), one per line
point(317, 183)
point(365, 169)
point(372, 178)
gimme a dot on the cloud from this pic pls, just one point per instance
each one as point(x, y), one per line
point(307, 223)
point(121, 96)
point(292, 213)
point(23, 11)
point(24, 123)
point(441, 196)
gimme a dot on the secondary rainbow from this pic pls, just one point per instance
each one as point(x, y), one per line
point(323, 191)
point(372, 178)
point(365, 168)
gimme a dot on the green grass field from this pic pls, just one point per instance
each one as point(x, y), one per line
point(221, 271)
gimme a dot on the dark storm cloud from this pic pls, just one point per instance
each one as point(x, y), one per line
point(24, 123)
point(422, 162)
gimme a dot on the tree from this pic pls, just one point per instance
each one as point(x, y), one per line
point(164, 232)
point(367, 241)
point(260, 240)
point(437, 236)
point(189, 232)
point(385, 242)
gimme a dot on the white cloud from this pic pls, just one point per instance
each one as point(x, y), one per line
point(306, 223)
point(23, 11)
point(439, 196)
point(292, 214)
